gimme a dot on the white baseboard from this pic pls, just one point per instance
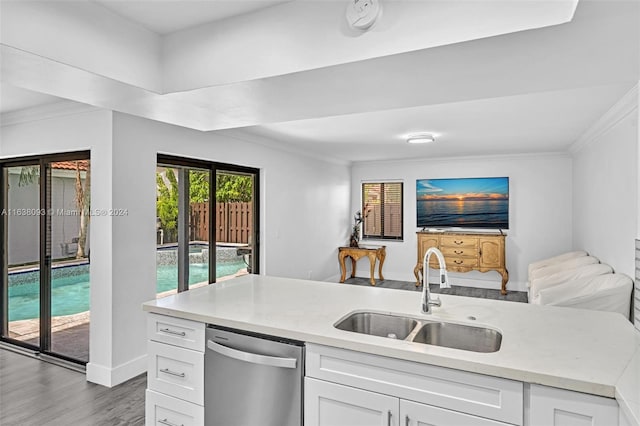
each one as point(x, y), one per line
point(110, 377)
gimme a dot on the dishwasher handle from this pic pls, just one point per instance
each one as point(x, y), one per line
point(271, 361)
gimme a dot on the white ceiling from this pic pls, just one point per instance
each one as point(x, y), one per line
point(527, 92)
point(532, 123)
point(167, 16)
point(15, 98)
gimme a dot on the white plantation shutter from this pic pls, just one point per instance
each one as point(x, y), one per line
point(382, 210)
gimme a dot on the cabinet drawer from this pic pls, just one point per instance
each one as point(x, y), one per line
point(176, 331)
point(163, 410)
point(459, 241)
point(476, 394)
point(176, 371)
point(451, 252)
point(463, 262)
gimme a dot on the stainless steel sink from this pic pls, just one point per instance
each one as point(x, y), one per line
point(450, 335)
point(458, 336)
point(392, 326)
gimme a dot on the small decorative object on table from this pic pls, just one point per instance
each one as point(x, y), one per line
point(355, 233)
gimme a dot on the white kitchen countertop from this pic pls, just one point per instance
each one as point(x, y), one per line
point(585, 351)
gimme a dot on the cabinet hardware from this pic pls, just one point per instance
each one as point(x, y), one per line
point(168, 423)
point(406, 420)
point(389, 418)
point(458, 251)
point(175, 333)
point(458, 261)
point(173, 373)
point(458, 242)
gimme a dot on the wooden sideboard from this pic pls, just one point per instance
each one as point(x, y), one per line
point(464, 252)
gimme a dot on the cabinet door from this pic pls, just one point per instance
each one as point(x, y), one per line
point(559, 407)
point(425, 242)
point(491, 254)
point(329, 404)
point(414, 414)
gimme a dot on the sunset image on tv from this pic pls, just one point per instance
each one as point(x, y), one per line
point(465, 202)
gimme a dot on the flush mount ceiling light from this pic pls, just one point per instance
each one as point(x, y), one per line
point(422, 138)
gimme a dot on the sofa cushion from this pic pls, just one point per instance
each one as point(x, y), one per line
point(556, 259)
point(565, 276)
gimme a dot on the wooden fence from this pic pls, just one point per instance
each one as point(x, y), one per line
point(234, 222)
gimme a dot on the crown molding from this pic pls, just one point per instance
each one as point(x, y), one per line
point(618, 112)
point(524, 156)
point(44, 112)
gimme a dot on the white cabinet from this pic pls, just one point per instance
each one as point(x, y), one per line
point(482, 396)
point(414, 414)
point(175, 375)
point(345, 388)
point(330, 404)
point(559, 407)
point(164, 410)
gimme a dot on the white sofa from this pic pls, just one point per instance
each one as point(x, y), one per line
point(578, 280)
point(608, 292)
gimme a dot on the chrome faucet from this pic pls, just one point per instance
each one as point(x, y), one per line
point(427, 301)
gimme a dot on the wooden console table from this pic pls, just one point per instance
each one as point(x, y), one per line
point(464, 252)
point(355, 253)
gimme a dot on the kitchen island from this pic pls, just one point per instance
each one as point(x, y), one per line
point(569, 349)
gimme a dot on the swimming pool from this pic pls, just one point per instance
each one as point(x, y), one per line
point(70, 287)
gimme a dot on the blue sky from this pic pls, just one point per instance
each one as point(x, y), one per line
point(463, 186)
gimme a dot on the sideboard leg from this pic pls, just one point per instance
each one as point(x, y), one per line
point(505, 278)
point(416, 272)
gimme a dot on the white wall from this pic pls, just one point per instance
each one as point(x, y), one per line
point(304, 216)
point(83, 131)
point(605, 196)
point(304, 201)
point(539, 210)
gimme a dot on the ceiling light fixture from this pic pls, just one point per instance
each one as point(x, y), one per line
point(423, 138)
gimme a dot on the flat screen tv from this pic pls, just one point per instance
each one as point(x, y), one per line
point(463, 203)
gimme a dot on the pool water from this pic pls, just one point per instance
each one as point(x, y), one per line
point(70, 294)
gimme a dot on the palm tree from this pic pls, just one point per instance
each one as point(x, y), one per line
point(83, 201)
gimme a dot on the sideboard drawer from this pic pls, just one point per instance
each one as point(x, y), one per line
point(163, 410)
point(461, 262)
point(459, 241)
point(451, 252)
point(176, 371)
point(176, 331)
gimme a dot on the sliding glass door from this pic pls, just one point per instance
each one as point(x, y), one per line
point(206, 223)
point(235, 216)
point(45, 263)
point(21, 226)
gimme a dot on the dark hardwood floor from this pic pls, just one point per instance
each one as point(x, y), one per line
point(484, 293)
point(35, 393)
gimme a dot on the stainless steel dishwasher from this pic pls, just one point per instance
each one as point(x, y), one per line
point(252, 380)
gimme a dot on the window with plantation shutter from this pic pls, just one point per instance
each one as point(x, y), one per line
point(382, 210)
